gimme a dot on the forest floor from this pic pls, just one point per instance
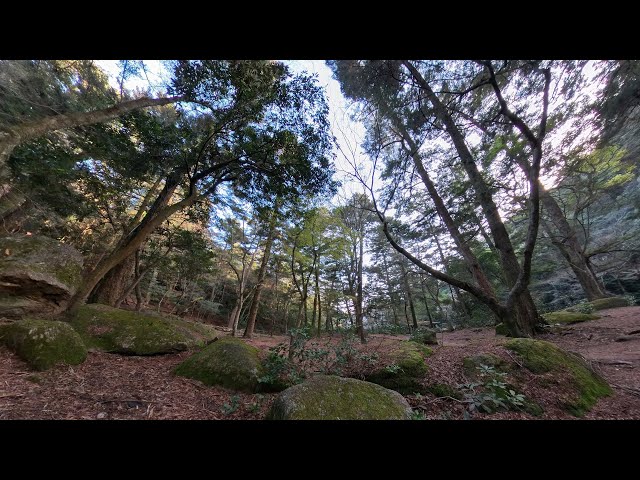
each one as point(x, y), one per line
point(109, 386)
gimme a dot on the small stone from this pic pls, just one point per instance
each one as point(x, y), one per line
point(101, 415)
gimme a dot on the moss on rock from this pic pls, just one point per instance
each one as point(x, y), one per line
point(405, 367)
point(443, 390)
point(425, 336)
point(229, 362)
point(327, 397)
point(44, 343)
point(541, 357)
point(610, 302)
point(134, 333)
point(567, 317)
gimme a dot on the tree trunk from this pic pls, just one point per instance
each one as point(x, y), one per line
point(426, 305)
point(232, 316)
point(564, 238)
point(471, 260)
point(255, 303)
point(390, 290)
point(152, 283)
point(520, 307)
point(359, 305)
point(407, 289)
point(135, 285)
point(303, 303)
point(114, 284)
point(318, 297)
point(157, 214)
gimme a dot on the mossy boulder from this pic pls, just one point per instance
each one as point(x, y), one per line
point(44, 343)
point(327, 397)
point(37, 275)
point(134, 333)
point(566, 317)
point(471, 365)
point(443, 390)
point(501, 329)
point(425, 336)
point(404, 368)
point(610, 302)
point(542, 357)
point(229, 362)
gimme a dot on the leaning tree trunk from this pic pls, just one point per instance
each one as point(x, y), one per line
point(521, 317)
point(157, 214)
point(114, 284)
point(565, 240)
point(14, 136)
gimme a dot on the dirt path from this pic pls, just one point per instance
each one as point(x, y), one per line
point(110, 386)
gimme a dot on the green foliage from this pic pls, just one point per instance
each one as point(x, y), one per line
point(257, 404)
point(585, 307)
point(393, 369)
point(287, 365)
point(390, 329)
point(632, 299)
point(279, 371)
point(417, 415)
point(232, 406)
point(491, 393)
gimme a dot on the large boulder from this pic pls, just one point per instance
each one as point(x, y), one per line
point(327, 397)
point(402, 369)
point(425, 336)
point(228, 362)
point(584, 385)
point(44, 343)
point(133, 333)
point(37, 275)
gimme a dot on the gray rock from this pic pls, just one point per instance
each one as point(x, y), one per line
point(37, 275)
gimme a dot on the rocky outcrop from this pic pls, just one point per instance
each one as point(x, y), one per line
point(37, 275)
point(133, 333)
